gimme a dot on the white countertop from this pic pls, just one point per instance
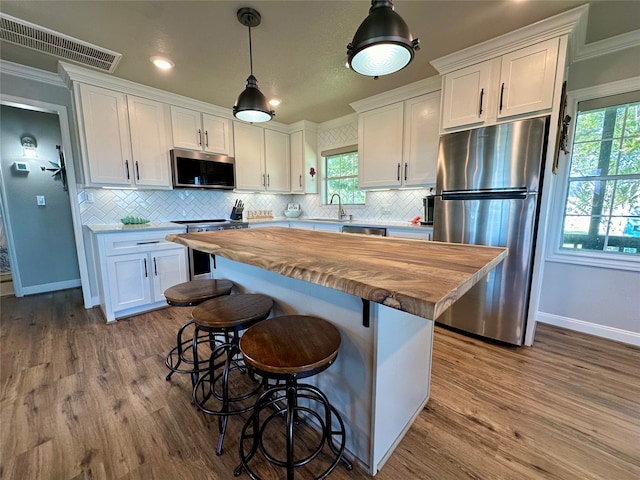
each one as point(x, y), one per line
point(145, 227)
point(355, 222)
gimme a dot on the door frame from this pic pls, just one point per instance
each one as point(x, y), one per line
point(63, 120)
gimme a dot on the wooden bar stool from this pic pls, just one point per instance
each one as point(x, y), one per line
point(189, 294)
point(287, 349)
point(227, 317)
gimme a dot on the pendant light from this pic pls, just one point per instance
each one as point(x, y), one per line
point(251, 105)
point(382, 44)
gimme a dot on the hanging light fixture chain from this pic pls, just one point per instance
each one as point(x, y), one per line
point(250, 53)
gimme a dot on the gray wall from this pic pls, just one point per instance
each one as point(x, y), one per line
point(43, 235)
point(596, 300)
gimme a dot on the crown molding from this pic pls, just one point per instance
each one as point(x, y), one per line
point(305, 125)
point(30, 73)
point(561, 24)
point(415, 89)
point(338, 122)
point(607, 46)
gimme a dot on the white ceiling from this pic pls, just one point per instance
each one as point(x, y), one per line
point(299, 49)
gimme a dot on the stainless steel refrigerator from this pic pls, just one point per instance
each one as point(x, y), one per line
point(487, 187)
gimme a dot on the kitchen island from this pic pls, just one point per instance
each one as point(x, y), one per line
point(383, 295)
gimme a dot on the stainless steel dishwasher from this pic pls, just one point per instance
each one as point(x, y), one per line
point(380, 231)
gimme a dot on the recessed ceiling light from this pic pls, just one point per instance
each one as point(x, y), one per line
point(274, 102)
point(162, 63)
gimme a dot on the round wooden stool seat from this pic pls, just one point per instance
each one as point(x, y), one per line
point(232, 312)
point(287, 349)
point(214, 392)
point(291, 345)
point(188, 294)
point(197, 291)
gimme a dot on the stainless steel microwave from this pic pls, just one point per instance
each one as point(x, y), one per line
point(191, 169)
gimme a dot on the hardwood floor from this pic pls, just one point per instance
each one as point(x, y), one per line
point(84, 400)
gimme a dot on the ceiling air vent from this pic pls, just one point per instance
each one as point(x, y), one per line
point(35, 37)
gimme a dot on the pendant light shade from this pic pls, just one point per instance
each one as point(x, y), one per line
point(251, 106)
point(382, 44)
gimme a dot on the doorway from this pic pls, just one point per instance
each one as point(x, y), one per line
point(37, 211)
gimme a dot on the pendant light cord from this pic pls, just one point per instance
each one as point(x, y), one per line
point(250, 53)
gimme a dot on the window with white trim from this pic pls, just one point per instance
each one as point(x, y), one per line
point(602, 205)
point(341, 175)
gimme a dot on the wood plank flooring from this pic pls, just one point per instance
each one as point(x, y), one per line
point(84, 400)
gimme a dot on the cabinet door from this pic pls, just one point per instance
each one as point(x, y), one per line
point(465, 95)
point(421, 137)
point(249, 148)
point(168, 268)
point(303, 157)
point(149, 143)
point(527, 78)
point(129, 284)
point(186, 127)
point(277, 161)
point(380, 147)
point(217, 135)
point(105, 128)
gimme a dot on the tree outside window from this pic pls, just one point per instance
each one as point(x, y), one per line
point(342, 178)
point(602, 210)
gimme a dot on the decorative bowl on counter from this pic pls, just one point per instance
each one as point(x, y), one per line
point(292, 213)
point(130, 220)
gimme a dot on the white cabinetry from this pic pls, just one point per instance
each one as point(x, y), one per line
point(201, 131)
point(134, 269)
point(398, 144)
point(304, 157)
point(277, 160)
point(262, 159)
point(123, 139)
point(515, 84)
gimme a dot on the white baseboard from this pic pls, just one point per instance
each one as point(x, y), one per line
point(51, 287)
point(603, 331)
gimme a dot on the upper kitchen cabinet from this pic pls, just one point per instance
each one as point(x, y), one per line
point(518, 83)
point(398, 143)
point(262, 159)
point(304, 160)
point(123, 139)
point(514, 76)
point(201, 131)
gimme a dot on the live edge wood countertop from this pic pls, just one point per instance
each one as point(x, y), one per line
point(418, 277)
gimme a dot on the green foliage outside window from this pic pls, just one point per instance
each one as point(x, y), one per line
point(602, 211)
point(342, 178)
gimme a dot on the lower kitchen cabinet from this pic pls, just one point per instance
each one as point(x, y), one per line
point(415, 233)
point(134, 270)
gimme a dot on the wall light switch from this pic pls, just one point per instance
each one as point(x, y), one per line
point(40, 200)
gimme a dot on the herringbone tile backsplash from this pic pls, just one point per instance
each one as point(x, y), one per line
point(165, 205)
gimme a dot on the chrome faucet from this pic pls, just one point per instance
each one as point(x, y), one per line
point(340, 210)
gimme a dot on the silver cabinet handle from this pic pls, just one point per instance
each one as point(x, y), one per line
point(155, 266)
point(481, 97)
point(147, 243)
point(199, 137)
point(206, 138)
point(501, 96)
point(406, 166)
point(398, 171)
point(300, 181)
point(137, 171)
point(126, 166)
point(268, 180)
point(146, 274)
point(264, 179)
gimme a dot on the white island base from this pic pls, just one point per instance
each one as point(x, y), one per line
point(380, 380)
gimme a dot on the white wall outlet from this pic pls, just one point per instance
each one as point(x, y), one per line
point(40, 200)
point(385, 209)
point(89, 197)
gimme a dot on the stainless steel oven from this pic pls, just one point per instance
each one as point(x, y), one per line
point(200, 262)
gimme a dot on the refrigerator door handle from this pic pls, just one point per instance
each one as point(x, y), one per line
point(507, 193)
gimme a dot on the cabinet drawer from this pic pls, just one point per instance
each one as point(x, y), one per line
point(120, 244)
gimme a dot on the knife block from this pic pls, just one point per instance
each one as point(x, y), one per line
point(236, 213)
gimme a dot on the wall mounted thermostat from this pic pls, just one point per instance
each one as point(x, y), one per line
point(21, 166)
